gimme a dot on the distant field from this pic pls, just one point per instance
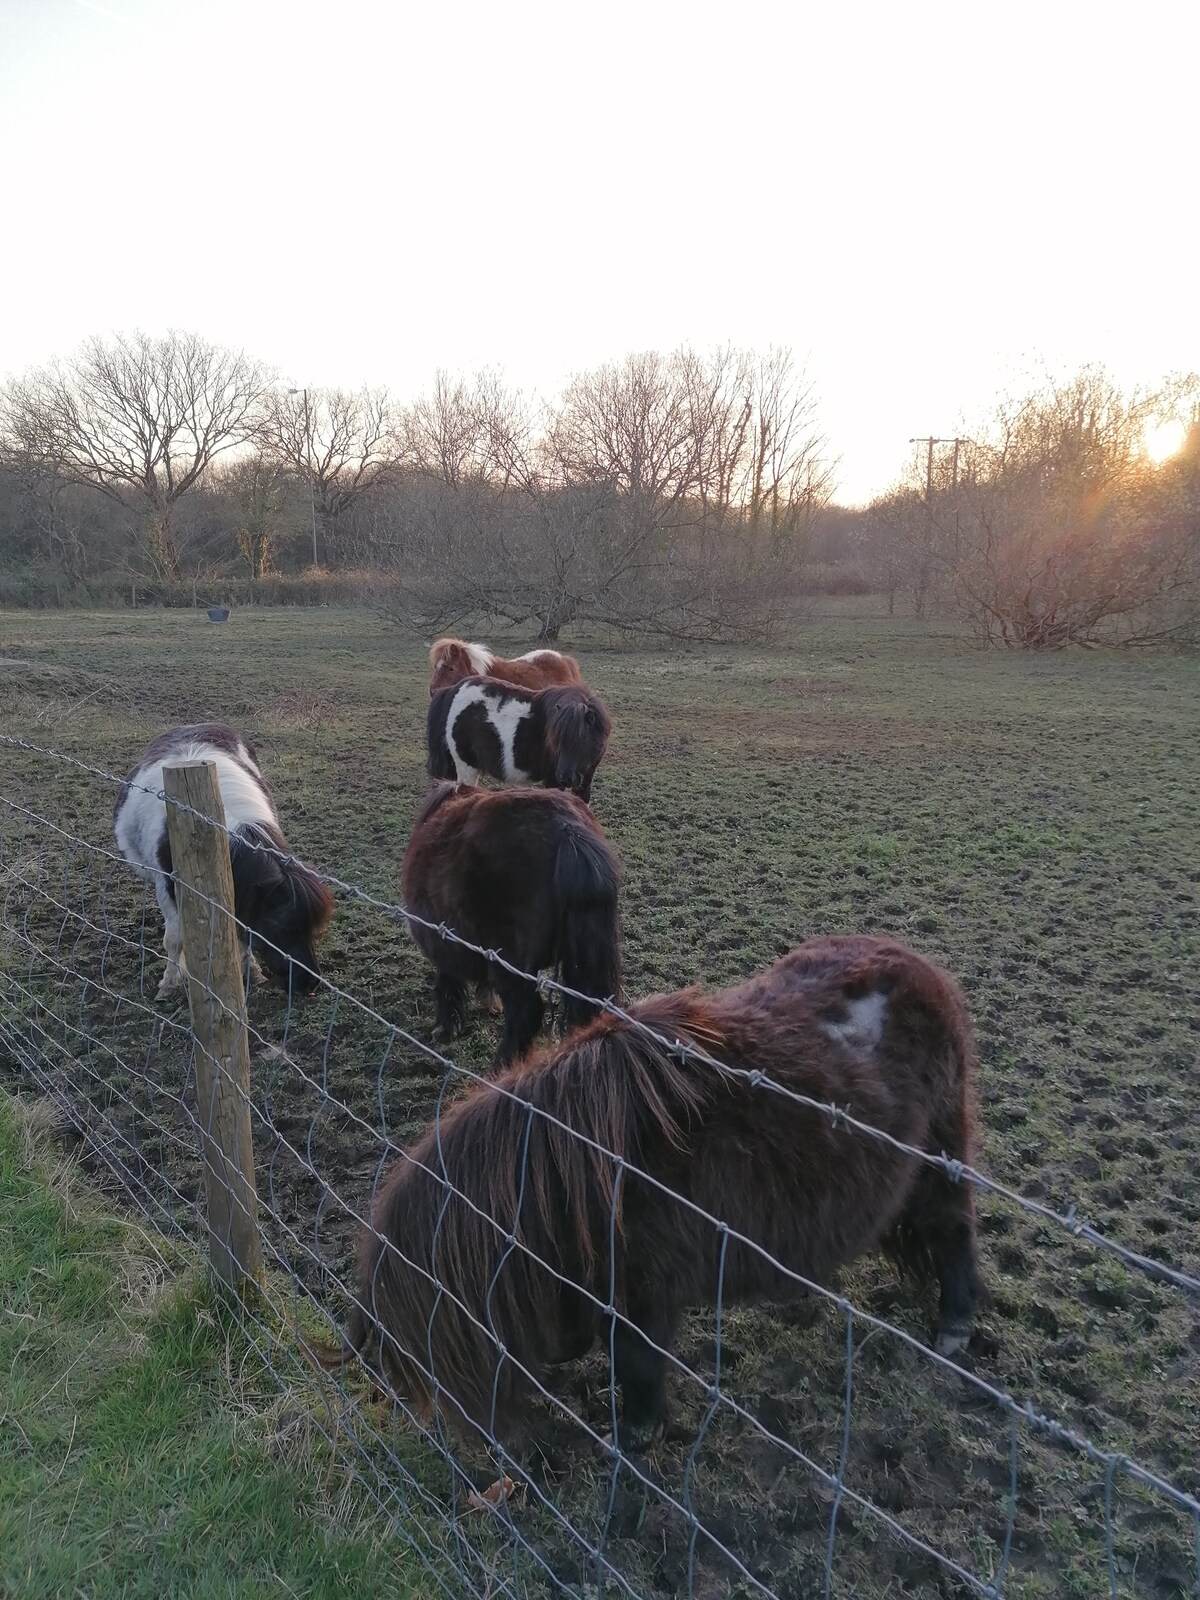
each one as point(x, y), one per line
point(1033, 823)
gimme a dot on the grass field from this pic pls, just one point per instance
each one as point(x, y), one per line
point(1033, 823)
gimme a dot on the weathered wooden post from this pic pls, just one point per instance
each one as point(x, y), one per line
point(217, 997)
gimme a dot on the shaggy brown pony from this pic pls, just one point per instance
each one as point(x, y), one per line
point(527, 872)
point(451, 660)
point(484, 1226)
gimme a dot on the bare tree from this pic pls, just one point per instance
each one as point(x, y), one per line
point(626, 504)
point(254, 485)
point(342, 444)
point(1064, 533)
point(448, 432)
point(892, 538)
point(141, 419)
point(631, 426)
point(720, 400)
point(789, 477)
point(48, 504)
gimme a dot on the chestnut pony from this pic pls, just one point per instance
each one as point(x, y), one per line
point(526, 872)
point(488, 1229)
point(451, 660)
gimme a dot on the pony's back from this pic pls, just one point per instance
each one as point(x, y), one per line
point(140, 812)
point(524, 871)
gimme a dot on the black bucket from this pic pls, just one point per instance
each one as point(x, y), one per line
point(218, 613)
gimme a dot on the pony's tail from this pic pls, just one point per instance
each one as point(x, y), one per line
point(584, 884)
point(440, 763)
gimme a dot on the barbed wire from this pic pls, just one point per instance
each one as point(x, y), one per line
point(438, 1529)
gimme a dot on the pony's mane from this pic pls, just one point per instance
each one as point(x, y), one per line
point(313, 894)
point(479, 656)
point(310, 894)
point(437, 794)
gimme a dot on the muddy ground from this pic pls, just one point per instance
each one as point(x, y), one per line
point(1034, 824)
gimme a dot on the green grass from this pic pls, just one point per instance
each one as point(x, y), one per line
point(137, 1424)
point(1033, 823)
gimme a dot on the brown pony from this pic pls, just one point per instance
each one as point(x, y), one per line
point(490, 1248)
point(451, 660)
point(526, 872)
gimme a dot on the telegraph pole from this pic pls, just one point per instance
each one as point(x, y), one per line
point(929, 444)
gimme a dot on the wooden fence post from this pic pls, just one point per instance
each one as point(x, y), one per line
point(216, 994)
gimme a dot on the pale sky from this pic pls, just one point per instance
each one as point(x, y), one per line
point(925, 201)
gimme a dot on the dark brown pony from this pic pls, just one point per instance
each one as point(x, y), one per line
point(485, 1227)
point(451, 660)
point(552, 736)
point(526, 872)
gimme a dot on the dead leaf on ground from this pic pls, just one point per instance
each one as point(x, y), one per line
point(503, 1490)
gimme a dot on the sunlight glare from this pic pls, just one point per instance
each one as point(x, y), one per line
point(1164, 439)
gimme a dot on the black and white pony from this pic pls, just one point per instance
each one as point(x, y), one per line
point(554, 737)
point(281, 905)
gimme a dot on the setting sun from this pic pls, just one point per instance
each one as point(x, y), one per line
point(1164, 439)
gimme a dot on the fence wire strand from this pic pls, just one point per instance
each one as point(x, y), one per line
point(78, 1027)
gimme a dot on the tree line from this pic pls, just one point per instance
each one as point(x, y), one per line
point(686, 494)
point(676, 492)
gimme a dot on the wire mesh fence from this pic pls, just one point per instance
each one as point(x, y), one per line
point(817, 1444)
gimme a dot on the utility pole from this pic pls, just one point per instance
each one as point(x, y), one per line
point(929, 444)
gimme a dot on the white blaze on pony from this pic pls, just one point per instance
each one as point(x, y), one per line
point(864, 1022)
point(281, 905)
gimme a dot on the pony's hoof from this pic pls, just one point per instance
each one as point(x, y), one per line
point(635, 1439)
point(167, 987)
point(952, 1339)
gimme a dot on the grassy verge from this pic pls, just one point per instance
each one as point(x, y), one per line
point(138, 1457)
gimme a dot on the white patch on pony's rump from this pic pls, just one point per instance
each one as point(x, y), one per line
point(863, 1023)
point(503, 714)
point(536, 655)
point(481, 659)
